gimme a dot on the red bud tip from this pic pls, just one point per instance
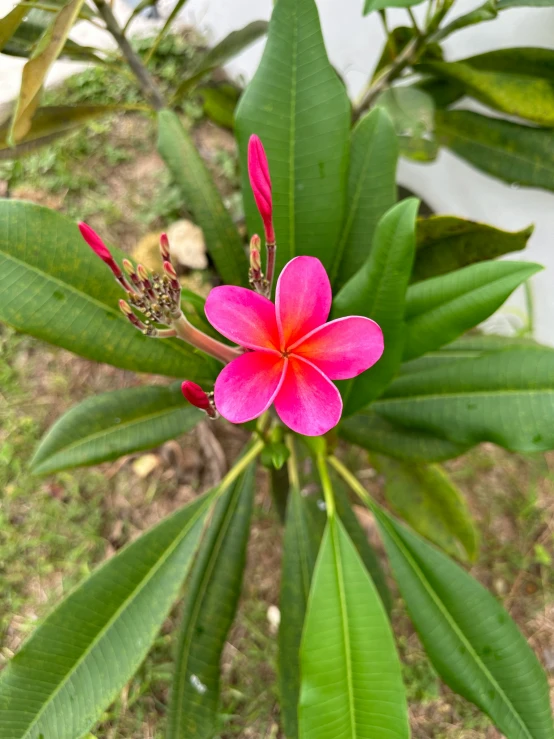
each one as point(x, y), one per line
point(128, 267)
point(124, 307)
point(98, 247)
point(260, 181)
point(255, 260)
point(170, 270)
point(195, 395)
point(164, 246)
point(142, 272)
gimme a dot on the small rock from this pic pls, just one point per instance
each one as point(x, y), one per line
point(145, 465)
point(188, 247)
point(274, 619)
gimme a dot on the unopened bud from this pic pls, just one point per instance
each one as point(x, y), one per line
point(125, 308)
point(197, 397)
point(164, 247)
point(143, 273)
point(98, 247)
point(260, 181)
point(172, 276)
point(127, 311)
point(128, 267)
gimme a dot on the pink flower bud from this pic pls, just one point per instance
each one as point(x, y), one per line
point(260, 181)
point(195, 395)
point(164, 246)
point(98, 247)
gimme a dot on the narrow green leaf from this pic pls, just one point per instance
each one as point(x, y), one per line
point(471, 640)
point(426, 498)
point(351, 681)
point(440, 309)
point(109, 425)
point(219, 100)
point(374, 433)
point(506, 397)
point(506, 4)
point(201, 196)
point(371, 191)
point(299, 108)
point(211, 600)
point(486, 12)
point(519, 155)
point(221, 53)
point(359, 538)
point(10, 23)
point(53, 287)
point(446, 243)
point(371, 5)
point(76, 662)
point(515, 81)
point(35, 70)
point(303, 531)
point(50, 123)
point(378, 291)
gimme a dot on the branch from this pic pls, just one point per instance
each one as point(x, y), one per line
point(147, 84)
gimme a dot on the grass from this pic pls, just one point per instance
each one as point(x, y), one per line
point(53, 531)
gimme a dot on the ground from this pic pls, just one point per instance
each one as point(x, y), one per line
point(54, 530)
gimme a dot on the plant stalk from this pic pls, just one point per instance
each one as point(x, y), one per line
point(189, 333)
point(321, 463)
point(147, 84)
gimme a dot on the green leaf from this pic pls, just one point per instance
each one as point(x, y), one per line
point(378, 291)
point(219, 100)
point(446, 243)
point(517, 154)
point(76, 662)
point(486, 12)
point(371, 5)
point(444, 92)
point(50, 123)
point(303, 531)
point(299, 108)
point(514, 81)
point(471, 640)
point(201, 196)
point(209, 608)
point(112, 424)
point(506, 4)
point(221, 53)
point(426, 498)
point(412, 112)
point(10, 23)
point(35, 70)
point(506, 397)
point(440, 309)
point(55, 288)
point(359, 538)
point(374, 433)
point(371, 191)
point(351, 681)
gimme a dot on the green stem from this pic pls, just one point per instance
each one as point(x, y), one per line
point(240, 466)
point(292, 463)
point(353, 483)
point(321, 463)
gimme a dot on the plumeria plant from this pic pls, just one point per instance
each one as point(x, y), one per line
point(359, 328)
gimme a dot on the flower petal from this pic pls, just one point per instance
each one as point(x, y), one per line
point(247, 386)
point(243, 316)
point(343, 348)
point(302, 299)
point(307, 401)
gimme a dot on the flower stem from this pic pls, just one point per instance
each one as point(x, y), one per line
point(189, 333)
point(321, 463)
point(240, 466)
point(353, 483)
point(271, 248)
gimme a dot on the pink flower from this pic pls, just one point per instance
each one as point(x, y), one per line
point(260, 181)
point(294, 354)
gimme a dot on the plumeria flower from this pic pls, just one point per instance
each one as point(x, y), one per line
point(292, 353)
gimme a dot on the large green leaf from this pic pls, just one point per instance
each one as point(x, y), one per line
point(374, 433)
point(50, 123)
point(378, 291)
point(371, 5)
point(82, 655)
point(471, 640)
point(210, 603)
point(35, 70)
point(299, 108)
point(221, 53)
point(425, 497)
point(412, 112)
point(371, 191)
point(109, 425)
point(53, 287)
point(517, 154)
point(514, 81)
point(506, 397)
point(446, 243)
point(350, 672)
point(303, 531)
point(201, 196)
point(440, 309)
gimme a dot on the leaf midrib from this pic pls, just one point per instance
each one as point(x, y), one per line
point(450, 620)
point(109, 431)
point(143, 583)
point(181, 349)
point(292, 141)
point(198, 602)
